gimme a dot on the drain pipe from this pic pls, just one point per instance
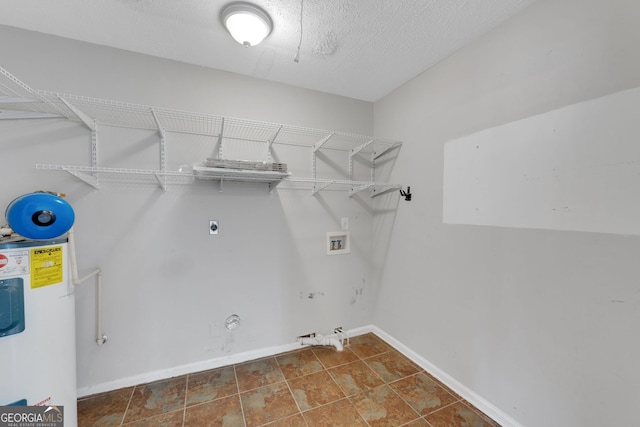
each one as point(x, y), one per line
point(100, 337)
point(317, 339)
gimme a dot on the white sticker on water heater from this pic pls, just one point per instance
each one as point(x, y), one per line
point(14, 263)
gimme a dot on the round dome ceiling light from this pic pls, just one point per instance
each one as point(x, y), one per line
point(247, 23)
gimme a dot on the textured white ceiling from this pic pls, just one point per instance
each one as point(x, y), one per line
point(361, 49)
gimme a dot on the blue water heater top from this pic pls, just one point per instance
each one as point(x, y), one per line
point(40, 216)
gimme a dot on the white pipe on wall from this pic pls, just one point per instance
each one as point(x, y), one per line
point(100, 337)
point(331, 340)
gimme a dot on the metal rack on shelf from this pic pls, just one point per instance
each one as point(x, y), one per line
point(19, 101)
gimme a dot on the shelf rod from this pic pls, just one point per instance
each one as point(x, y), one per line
point(13, 115)
point(90, 169)
point(17, 100)
point(28, 89)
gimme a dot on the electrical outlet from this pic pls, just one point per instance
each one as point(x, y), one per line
point(214, 227)
point(345, 223)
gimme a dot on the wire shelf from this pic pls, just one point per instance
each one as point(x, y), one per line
point(18, 100)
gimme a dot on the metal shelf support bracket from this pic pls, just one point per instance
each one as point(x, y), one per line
point(162, 178)
point(317, 187)
point(270, 142)
point(387, 149)
point(88, 179)
point(355, 151)
point(359, 188)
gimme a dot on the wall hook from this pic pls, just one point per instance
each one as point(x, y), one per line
point(407, 194)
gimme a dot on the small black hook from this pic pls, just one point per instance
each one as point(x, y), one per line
point(407, 195)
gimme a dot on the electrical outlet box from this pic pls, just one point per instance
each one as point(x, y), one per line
point(214, 227)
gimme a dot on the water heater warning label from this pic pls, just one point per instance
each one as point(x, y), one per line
point(46, 266)
point(14, 263)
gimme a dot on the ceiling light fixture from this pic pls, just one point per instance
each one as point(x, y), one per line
point(247, 23)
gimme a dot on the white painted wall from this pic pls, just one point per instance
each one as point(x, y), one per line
point(575, 168)
point(540, 323)
point(166, 280)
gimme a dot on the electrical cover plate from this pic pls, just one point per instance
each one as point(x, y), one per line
point(213, 227)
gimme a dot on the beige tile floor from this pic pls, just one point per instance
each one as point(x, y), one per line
point(367, 384)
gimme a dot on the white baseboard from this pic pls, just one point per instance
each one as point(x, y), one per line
point(199, 366)
point(459, 388)
point(185, 369)
point(472, 397)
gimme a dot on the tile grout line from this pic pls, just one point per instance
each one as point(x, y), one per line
point(402, 398)
point(444, 407)
point(457, 399)
point(384, 382)
point(325, 368)
point(235, 373)
point(336, 383)
point(482, 415)
point(358, 412)
point(321, 362)
point(461, 400)
point(344, 391)
point(349, 399)
point(362, 359)
point(124, 415)
point(291, 391)
point(186, 396)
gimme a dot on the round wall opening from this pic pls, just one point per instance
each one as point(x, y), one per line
point(232, 322)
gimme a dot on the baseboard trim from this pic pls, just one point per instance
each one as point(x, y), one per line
point(199, 366)
point(185, 369)
point(472, 397)
point(463, 391)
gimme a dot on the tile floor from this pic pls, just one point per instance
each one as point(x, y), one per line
point(367, 384)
